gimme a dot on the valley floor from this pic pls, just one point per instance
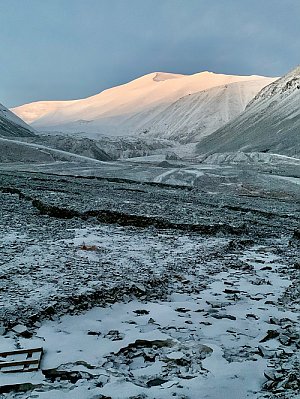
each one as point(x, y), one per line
point(147, 290)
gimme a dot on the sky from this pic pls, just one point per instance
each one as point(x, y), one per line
point(68, 49)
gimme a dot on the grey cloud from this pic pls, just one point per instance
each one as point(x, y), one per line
point(73, 48)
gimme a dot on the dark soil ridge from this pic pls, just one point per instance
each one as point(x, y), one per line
point(141, 221)
point(124, 219)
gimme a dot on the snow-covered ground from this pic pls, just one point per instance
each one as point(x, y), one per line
point(142, 290)
point(222, 341)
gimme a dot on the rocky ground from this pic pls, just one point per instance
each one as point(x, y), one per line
point(144, 290)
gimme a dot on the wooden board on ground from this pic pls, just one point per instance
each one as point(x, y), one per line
point(22, 360)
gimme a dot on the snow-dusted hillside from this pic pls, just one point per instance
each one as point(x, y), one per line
point(131, 108)
point(12, 126)
point(21, 152)
point(105, 149)
point(197, 115)
point(270, 123)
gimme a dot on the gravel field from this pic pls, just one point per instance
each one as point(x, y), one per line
point(182, 289)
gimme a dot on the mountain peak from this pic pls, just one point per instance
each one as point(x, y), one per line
point(108, 110)
point(162, 76)
point(158, 77)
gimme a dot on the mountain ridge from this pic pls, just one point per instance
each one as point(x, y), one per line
point(115, 111)
point(270, 122)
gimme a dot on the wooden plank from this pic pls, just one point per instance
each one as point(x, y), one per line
point(21, 351)
point(20, 371)
point(20, 366)
point(19, 363)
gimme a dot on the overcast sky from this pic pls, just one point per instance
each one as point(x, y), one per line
point(65, 49)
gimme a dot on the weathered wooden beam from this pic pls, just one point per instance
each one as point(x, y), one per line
point(20, 351)
point(20, 366)
point(19, 363)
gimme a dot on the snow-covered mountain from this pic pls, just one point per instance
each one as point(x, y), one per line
point(12, 126)
point(195, 116)
point(270, 123)
point(143, 105)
